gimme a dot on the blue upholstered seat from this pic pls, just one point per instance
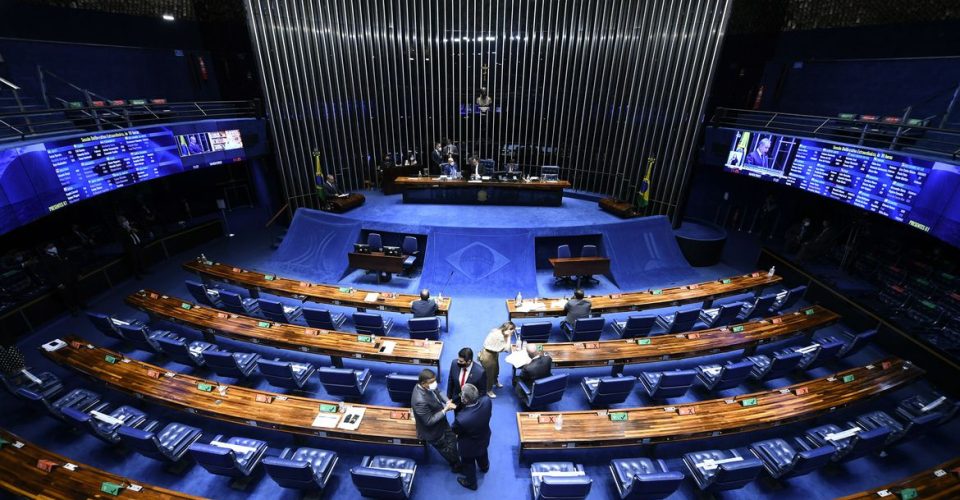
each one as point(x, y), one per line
point(725, 376)
point(276, 311)
point(106, 431)
point(322, 318)
point(634, 326)
point(287, 374)
point(224, 461)
point(143, 338)
point(231, 364)
point(303, 468)
point(758, 308)
point(774, 367)
point(49, 384)
point(788, 299)
point(644, 478)
point(424, 328)
point(108, 324)
point(849, 447)
point(932, 403)
point(913, 426)
point(607, 390)
point(588, 251)
point(782, 460)
point(544, 391)
point(184, 351)
point(372, 324)
point(384, 477)
point(537, 331)
point(411, 252)
point(734, 472)
point(233, 302)
point(817, 354)
point(680, 321)
point(344, 382)
point(79, 399)
point(169, 444)
point(400, 387)
point(720, 316)
point(583, 329)
point(563, 251)
point(203, 294)
point(559, 480)
point(852, 342)
point(669, 384)
point(375, 242)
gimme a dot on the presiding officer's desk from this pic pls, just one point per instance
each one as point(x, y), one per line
point(703, 419)
point(704, 292)
point(20, 475)
point(483, 192)
point(255, 281)
point(345, 203)
point(746, 336)
point(942, 481)
point(337, 345)
point(240, 405)
point(376, 261)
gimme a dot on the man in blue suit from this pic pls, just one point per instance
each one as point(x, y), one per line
point(472, 427)
point(464, 370)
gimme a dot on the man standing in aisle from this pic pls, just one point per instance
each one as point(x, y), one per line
point(430, 409)
point(472, 427)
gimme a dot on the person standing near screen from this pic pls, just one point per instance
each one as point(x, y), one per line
point(758, 157)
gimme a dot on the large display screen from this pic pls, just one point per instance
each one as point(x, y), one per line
point(916, 191)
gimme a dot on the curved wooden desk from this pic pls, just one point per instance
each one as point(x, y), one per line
point(745, 336)
point(255, 281)
point(704, 292)
point(942, 481)
point(337, 345)
point(20, 475)
point(239, 405)
point(715, 417)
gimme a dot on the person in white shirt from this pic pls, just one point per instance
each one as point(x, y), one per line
point(498, 340)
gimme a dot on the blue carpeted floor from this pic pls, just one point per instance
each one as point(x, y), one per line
point(472, 316)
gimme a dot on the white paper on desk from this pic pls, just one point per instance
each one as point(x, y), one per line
point(518, 359)
point(354, 410)
point(371, 297)
point(531, 306)
point(557, 304)
point(388, 347)
point(326, 420)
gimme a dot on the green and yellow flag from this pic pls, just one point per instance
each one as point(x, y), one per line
point(644, 199)
point(318, 173)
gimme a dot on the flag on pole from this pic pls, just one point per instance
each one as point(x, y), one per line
point(644, 199)
point(318, 173)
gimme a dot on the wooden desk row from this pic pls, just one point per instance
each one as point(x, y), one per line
point(337, 345)
point(256, 281)
point(942, 481)
point(703, 419)
point(240, 405)
point(745, 336)
point(704, 292)
point(20, 475)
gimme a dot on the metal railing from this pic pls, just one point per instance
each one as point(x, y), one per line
point(905, 135)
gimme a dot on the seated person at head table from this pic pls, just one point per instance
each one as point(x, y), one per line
point(539, 366)
point(576, 308)
point(330, 187)
point(411, 159)
point(473, 166)
point(450, 168)
point(425, 307)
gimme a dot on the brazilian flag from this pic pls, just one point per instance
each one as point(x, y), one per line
point(319, 178)
point(644, 193)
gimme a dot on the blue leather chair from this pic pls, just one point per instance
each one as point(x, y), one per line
point(169, 444)
point(773, 367)
point(680, 321)
point(544, 391)
point(607, 390)
point(231, 364)
point(400, 387)
point(853, 342)
point(184, 351)
point(644, 478)
point(563, 252)
point(733, 471)
point(375, 242)
point(372, 324)
point(384, 477)
point(914, 426)
point(238, 459)
point(49, 385)
point(725, 376)
point(424, 328)
point(867, 443)
point(559, 480)
point(932, 403)
point(143, 338)
point(108, 324)
point(850, 447)
point(322, 318)
point(344, 382)
point(107, 431)
point(634, 326)
point(583, 329)
point(537, 332)
point(720, 316)
point(233, 302)
point(817, 354)
point(782, 461)
point(302, 469)
point(274, 310)
point(411, 252)
point(79, 399)
point(789, 299)
point(589, 251)
point(758, 308)
point(669, 384)
point(204, 295)
point(286, 373)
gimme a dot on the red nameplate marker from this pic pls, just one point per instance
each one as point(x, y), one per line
point(46, 465)
point(755, 275)
point(76, 345)
point(692, 287)
point(304, 284)
point(777, 321)
point(154, 296)
point(312, 331)
point(400, 415)
point(546, 419)
point(886, 365)
point(153, 373)
point(687, 410)
point(800, 391)
point(236, 269)
point(693, 336)
point(263, 398)
point(222, 315)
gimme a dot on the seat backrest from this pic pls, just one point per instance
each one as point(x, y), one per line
point(538, 331)
point(563, 252)
point(868, 442)
point(639, 326)
point(375, 242)
point(727, 314)
point(657, 484)
point(318, 318)
point(616, 385)
point(566, 487)
point(289, 473)
point(733, 475)
point(733, 374)
point(807, 461)
point(423, 325)
point(783, 363)
point(176, 348)
point(588, 251)
point(761, 305)
point(793, 296)
point(222, 362)
point(401, 387)
point(922, 424)
point(589, 325)
point(271, 307)
point(337, 376)
point(199, 292)
point(547, 387)
point(215, 459)
point(231, 299)
point(143, 442)
point(858, 342)
point(367, 320)
point(138, 335)
point(685, 320)
point(409, 245)
point(827, 352)
point(275, 369)
point(377, 483)
point(674, 383)
point(103, 323)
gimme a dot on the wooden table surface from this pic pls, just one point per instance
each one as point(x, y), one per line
point(647, 299)
point(663, 423)
point(942, 481)
point(689, 344)
point(239, 405)
point(20, 475)
point(282, 335)
point(434, 182)
point(573, 266)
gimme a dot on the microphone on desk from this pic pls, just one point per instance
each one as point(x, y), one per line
point(446, 283)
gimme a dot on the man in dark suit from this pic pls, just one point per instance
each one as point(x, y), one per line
point(330, 187)
point(464, 370)
point(425, 307)
point(758, 157)
point(436, 156)
point(430, 409)
point(576, 308)
point(539, 366)
point(59, 272)
point(472, 427)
